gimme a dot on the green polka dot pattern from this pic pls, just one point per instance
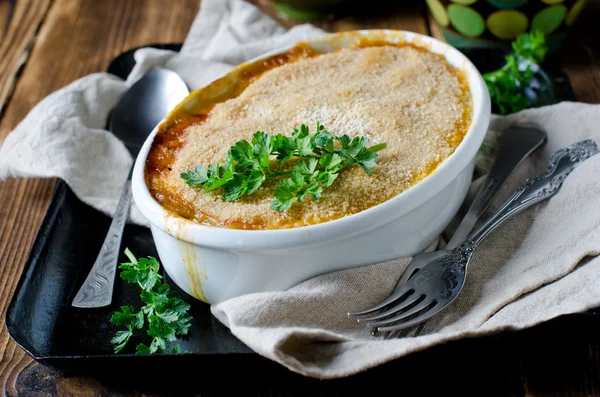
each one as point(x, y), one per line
point(495, 23)
point(549, 19)
point(507, 4)
point(507, 24)
point(466, 20)
point(464, 2)
point(438, 12)
point(575, 11)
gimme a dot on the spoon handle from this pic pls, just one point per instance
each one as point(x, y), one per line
point(537, 189)
point(516, 143)
point(97, 288)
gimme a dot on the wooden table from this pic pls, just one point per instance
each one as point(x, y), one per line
point(46, 44)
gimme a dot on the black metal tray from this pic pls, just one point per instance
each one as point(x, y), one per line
point(41, 320)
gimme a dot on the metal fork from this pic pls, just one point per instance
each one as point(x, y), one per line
point(438, 284)
point(515, 144)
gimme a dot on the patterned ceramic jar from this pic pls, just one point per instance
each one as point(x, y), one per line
point(484, 23)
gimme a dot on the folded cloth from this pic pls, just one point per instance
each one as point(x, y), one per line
point(539, 265)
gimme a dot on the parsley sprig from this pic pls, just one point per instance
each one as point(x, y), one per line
point(319, 158)
point(166, 316)
point(507, 84)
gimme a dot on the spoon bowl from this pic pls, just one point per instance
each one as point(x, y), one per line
point(134, 117)
point(144, 105)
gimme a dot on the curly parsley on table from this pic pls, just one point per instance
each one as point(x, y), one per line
point(321, 157)
point(165, 316)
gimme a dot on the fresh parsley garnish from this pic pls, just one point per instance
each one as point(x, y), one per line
point(507, 84)
point(166, 316)
point(318, 159)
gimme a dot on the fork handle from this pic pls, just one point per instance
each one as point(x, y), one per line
point(516, 143)
point(536, 189)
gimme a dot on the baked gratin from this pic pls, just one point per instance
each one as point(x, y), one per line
point(403, 95)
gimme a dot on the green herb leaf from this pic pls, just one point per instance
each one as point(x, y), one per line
point(531, 46)
point(198, 176)
point(331, 162)
point(143, 272)
point(297, 180)
point(378, 147)
point(121, 339)
point(326, 178)
point(242, 153)
point(366, 159)
point(315, 191)
point(143, 349)
point(303, 168)
point(165, 315)
point(128, 316)
point(254, 181)
point(283, 199)
point(304, 146)
point(317, 164)
point(321, 138)
point(507, 85)
point(235, 188)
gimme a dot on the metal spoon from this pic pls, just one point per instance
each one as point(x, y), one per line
point(136, 114)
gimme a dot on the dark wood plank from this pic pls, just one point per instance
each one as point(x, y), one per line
point(77, 38)
point(24, 203)
point(567, 367)
point(19, 24)
point(580, 57)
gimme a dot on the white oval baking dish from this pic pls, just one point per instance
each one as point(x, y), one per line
point(213, 264)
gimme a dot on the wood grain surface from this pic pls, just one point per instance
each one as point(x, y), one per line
point(46, 44)
point(75, 38)
point(580, 56)
point(19, 25)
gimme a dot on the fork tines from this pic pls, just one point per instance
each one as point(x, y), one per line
point(403, 309)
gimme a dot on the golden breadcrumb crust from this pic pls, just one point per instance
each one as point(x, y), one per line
point(405, 96)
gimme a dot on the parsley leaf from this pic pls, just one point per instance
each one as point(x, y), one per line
point(165, 315)
point(319, 158)
point(284, 197)
point(198, 176)
point(508, 85)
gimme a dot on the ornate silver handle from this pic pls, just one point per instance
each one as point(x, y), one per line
point(534, 190)
point(97, 289)
point(516, 143)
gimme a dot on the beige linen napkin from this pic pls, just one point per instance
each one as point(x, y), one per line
point(537, 266)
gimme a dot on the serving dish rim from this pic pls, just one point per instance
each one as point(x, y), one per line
point(376, 216)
